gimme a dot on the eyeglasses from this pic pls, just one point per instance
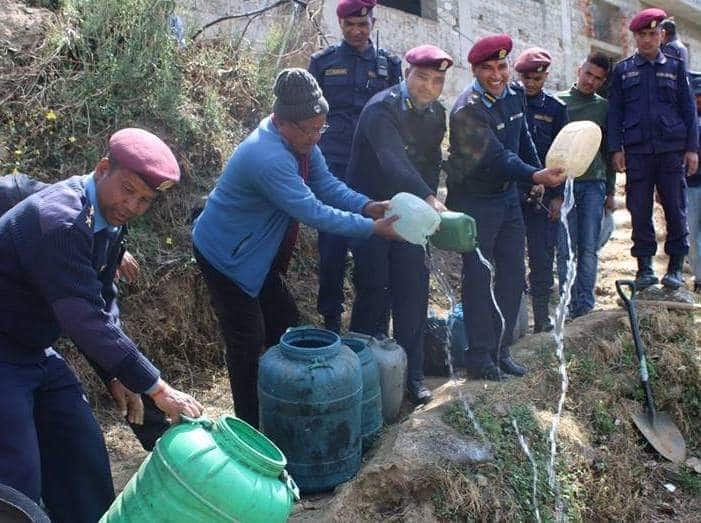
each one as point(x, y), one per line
point(314, 132)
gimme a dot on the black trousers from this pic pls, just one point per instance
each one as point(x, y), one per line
point(250, 325)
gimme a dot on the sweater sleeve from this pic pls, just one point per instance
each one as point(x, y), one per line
point(68, 282)
point(605, 155)
point(280, 182)
point(330, 189)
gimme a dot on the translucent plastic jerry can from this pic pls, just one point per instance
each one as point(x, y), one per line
point(574, 148)
point(417, 219)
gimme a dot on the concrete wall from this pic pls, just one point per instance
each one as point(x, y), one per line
point(569, 29)
point(561, 26)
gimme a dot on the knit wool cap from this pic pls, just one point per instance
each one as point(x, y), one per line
point(298, 96)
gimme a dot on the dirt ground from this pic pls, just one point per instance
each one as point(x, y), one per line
point(614, 263)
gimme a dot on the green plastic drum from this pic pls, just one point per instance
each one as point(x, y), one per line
point(457, 232)
point(204, 471)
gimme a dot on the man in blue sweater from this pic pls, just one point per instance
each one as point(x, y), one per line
point(244, 237)
point(56, 277)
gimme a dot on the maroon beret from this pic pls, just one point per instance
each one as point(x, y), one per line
point(146, 155)
point(492, 47)
point(533, 60)
point(647, 19)
point(348, 8)
point(429, 56)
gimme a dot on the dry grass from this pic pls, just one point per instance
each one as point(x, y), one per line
point(606, 470)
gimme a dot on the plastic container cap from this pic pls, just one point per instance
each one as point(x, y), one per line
point(417, 219)
point(574, 148)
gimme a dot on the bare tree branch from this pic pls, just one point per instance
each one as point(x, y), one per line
point(250, 14)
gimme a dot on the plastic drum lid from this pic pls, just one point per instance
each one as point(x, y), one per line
point(574, 148)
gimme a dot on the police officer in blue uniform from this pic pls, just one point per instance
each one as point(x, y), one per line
point(56, 277)
point(148, 423)
point(546, 114)
point(672, 45)
point(652, 133)
point(397, 148)
point(349, 74)
point(490, 150)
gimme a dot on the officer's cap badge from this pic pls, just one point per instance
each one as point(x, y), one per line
point(363, 11)
point(443, 66)
point(653, 24)
point(540, 69)
point(502, 53)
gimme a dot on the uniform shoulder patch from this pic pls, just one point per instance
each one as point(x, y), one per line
point(557, 99)
point(393, 58)
point(517, 86)
point(324, 52)
point(624, 60)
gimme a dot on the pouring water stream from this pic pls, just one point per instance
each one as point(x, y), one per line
point(558, 336)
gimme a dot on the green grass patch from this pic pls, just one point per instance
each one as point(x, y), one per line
point(512, 466)
point(690, 481)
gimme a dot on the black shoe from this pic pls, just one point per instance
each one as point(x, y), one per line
point(419, 393)
point(509, 366)
point(485, 372)
point(541, 314)
point(543, 327)
point(645, 277)
point(674, 279)
point(332, 323)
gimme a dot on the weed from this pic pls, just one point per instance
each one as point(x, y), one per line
point(512, 465)
point(689, 481)
point(602, 421)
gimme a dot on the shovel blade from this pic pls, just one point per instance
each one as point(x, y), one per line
point(663, 435)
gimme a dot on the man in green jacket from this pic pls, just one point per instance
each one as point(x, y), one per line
point(593, 191)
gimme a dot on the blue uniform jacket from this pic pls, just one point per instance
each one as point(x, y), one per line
point(348, 80)
point(490, 145)
point(651, 108)
point(546, 115)
point(260, 191)
point(56, 274)
point(396, 147)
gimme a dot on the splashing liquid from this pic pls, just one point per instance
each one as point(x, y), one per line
point(524, 446)
point(446, 289)
point(558, 334)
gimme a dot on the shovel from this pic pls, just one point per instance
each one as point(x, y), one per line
point(657, 427)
